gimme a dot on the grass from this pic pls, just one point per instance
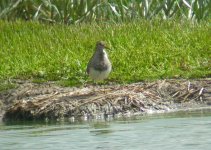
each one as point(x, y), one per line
point(144, 50)
point(5, 85)
point(78, 11)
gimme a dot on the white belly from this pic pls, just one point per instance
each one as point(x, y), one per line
point(99, 75)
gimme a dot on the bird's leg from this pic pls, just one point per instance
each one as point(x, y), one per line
point(103, 87)
point(94, 86)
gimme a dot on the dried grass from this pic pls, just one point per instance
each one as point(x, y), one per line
point(34, 101)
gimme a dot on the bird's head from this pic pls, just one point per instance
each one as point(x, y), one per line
point(101, 45)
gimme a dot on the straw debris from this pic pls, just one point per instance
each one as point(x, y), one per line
point(47, 101)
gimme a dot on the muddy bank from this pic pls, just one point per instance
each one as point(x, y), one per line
point(31, 101)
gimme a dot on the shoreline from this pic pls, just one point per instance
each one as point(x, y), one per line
point(48, 101)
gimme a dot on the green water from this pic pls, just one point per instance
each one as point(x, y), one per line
point(178, 131)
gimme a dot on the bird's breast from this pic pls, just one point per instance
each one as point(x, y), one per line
point(102, 62)
point(99, 75)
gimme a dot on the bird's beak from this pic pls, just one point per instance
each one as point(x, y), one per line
point(108, 47)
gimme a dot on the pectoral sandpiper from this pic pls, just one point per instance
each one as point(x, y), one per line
point(99, 66)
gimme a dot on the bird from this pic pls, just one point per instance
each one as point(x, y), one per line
point(99, 66)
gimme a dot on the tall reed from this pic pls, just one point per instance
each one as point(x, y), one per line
point(77, 11)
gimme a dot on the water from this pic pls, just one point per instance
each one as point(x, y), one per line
point(178, 131)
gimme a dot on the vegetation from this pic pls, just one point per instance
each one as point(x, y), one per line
point(78, 11)
point(145, 46)
point(140, 50)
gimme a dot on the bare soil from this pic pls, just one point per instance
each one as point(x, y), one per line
point(33, 101)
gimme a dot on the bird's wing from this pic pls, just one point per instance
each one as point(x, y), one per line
point(89, 65)
point(87, 68)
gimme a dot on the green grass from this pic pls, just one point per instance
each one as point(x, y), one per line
point(6, 85)
point(143, 50)
point(80, 11)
